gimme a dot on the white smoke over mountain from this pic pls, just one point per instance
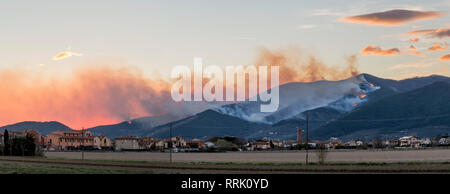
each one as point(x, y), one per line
point(297, 97)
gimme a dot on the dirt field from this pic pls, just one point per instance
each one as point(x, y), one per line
point(428, 155)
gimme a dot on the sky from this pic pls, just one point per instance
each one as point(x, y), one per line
point(71, 45)
point(157, 35)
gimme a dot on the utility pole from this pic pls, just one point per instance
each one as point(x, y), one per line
point(307, 137)
point(171, 145)
point(82, 143)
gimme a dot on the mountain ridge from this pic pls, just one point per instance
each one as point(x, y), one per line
point(395, 113)
point(218, 121)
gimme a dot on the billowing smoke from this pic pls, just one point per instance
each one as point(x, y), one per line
point(107, 95)
point(89, 97)
point(297, 97)
point(295, 67)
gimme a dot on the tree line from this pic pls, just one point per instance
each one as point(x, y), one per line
point(18, 146)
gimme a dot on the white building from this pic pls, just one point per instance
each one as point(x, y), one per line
point(425, 142)
point(444, 141)
point(128, 143)
point(409, 141)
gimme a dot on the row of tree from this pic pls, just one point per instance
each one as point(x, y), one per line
point(18, 146)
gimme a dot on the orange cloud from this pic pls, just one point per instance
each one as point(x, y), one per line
point(432, 33)
point(414, 51)
point(392, 17)
point(437, 47)
point(376, 50)
point(65, 54)
point(414, 39)
point(296, 67)
point(445, 57)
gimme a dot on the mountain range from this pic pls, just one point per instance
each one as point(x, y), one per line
point(363, 106)
point(43, 127)
point(424, 111)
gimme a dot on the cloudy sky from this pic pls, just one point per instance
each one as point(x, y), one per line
point(86, 63)
point(157, 35)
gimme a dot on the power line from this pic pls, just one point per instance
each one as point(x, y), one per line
point(307, 137)
point(171, 142)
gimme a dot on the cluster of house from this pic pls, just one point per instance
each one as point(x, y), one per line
point(71, 140)
point(67, 140)
point(152, 143)
point(402, 142)
point(335, 143)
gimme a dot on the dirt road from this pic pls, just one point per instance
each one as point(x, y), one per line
point(428, 155)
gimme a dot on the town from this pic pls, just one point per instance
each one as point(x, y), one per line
point(76, 140)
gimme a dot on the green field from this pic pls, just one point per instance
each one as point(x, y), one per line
point(15, 168)
point(42, 165)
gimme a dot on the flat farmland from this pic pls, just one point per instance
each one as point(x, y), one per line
point(351, 156)
point(354, 161)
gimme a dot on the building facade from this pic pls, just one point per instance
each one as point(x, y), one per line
point(76, 139)
point(103, 142)
point(126, 143)
point(195, 143)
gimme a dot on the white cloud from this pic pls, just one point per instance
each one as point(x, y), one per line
point(307, 26)
point(412, 65)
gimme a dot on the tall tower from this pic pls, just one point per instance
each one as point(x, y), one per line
point(299, 135)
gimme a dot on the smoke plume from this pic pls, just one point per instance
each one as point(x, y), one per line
point(295, 67)
point(109, 94)
point(88, 98)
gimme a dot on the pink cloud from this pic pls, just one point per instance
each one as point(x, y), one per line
point(392, 17)
point(376, 50)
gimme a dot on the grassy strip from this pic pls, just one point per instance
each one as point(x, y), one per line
point(79, 167)
point(265, 163)
point(8, 168)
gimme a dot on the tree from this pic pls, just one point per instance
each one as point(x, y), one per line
point(222, 144)
point(153, 146)
point(29, 145)
point(378, 143)
point(17, 148)
point(7, 147)
point(22, 146)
